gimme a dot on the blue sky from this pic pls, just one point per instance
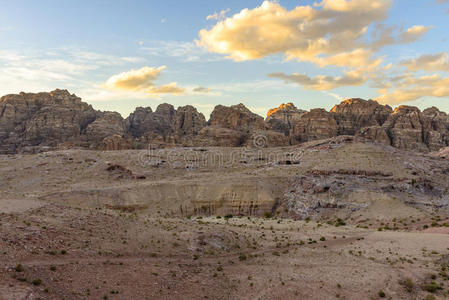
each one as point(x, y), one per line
point(92, 48)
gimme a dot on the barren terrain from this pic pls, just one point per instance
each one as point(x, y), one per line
point(340, 218)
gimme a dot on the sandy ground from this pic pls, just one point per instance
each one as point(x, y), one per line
point(60, 238)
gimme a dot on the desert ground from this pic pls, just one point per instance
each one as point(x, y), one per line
point(334, 219)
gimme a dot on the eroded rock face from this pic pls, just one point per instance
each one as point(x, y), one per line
point(145, 122)
point(219, 136)
point(188, 121)
point(43, 119)
point(284, 117)
point(314, 125)
point(354, 114)
point(405, 129)
point(106, 124)
point(236, 117)
point(436, 128)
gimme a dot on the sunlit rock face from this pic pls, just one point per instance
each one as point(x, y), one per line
point(354, 114)
point(236, 117)
point(284, 118)
point(59, 120)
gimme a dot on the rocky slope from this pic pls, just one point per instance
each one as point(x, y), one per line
point(59, 120)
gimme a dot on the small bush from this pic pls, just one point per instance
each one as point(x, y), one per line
point(381, 294)
point(36, 281)
point(19, 268)
point(268, 215)
point(408, 284)
point(431, 287)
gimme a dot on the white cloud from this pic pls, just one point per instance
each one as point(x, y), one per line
point(35, 70)
point(218, 16)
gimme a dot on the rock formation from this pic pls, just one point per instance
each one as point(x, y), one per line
point(236, 117)
point(314, 125)
point(284, 118)
point(44, 121)
point(354, 114)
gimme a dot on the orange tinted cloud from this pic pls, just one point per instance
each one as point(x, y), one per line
point(142, 80)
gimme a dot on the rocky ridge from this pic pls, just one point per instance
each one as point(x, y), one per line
point(59, 120)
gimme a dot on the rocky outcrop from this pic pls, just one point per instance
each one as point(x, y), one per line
point(436, 128)
point(106, 124)
point(284, 118)
point(59, 120)
point(314, 125)
point(236, 117)
point(44, 119)
point(405, 129)
point(188, 121)
point(354, 114)
point(158, 125)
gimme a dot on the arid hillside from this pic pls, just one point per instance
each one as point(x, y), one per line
point(343, 217)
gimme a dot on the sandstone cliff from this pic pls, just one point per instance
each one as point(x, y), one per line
point(44, 121)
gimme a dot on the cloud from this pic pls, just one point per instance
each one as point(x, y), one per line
point(428, 62)
point(413, 33)
point(320, 82)
point(218, 16)
point(142, 80)
point(442, 1)
point(408, 88)
point(386, 35)
point(202, 89)
point(304, 33)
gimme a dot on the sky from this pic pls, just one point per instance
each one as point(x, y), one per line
point(118, 55)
